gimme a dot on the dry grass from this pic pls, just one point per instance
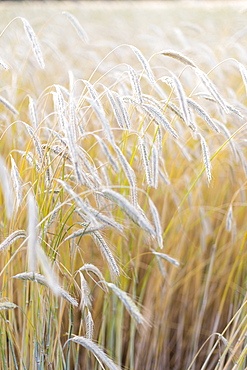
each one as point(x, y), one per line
point(123, 186)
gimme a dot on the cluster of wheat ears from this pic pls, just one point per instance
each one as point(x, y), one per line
point(122, 206)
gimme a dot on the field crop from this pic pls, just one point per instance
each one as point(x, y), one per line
point(123, 188)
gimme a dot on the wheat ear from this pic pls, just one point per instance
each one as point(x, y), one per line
point(33, 276)
point(12, 238)
point(128, 303)
point(34, 42)
point(96, 350)
point(131, 211)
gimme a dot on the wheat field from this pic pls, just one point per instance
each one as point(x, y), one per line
point(123, 186)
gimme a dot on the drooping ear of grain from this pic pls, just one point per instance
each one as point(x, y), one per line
point(206, 157)
point(34, 42)
point(164, 256)
point(212, 89)
point(128, 303)
point(7, 189)
point(43, 281)
point(76, 24)
point(33, 112)
point(85, 300)
point(144, 63)
point(33, 241)
point(129, 172)
point(16, 178)
point(3, 65)
point(12, 238)
point(8, 105)
point(145, 160)
point(89, 325)
point(106, 252)
point(203, 114)
point(182, 99)
point(159, 118)
point(136, 87)
point(96, 350)
point(131, 211)
point(177, 55)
